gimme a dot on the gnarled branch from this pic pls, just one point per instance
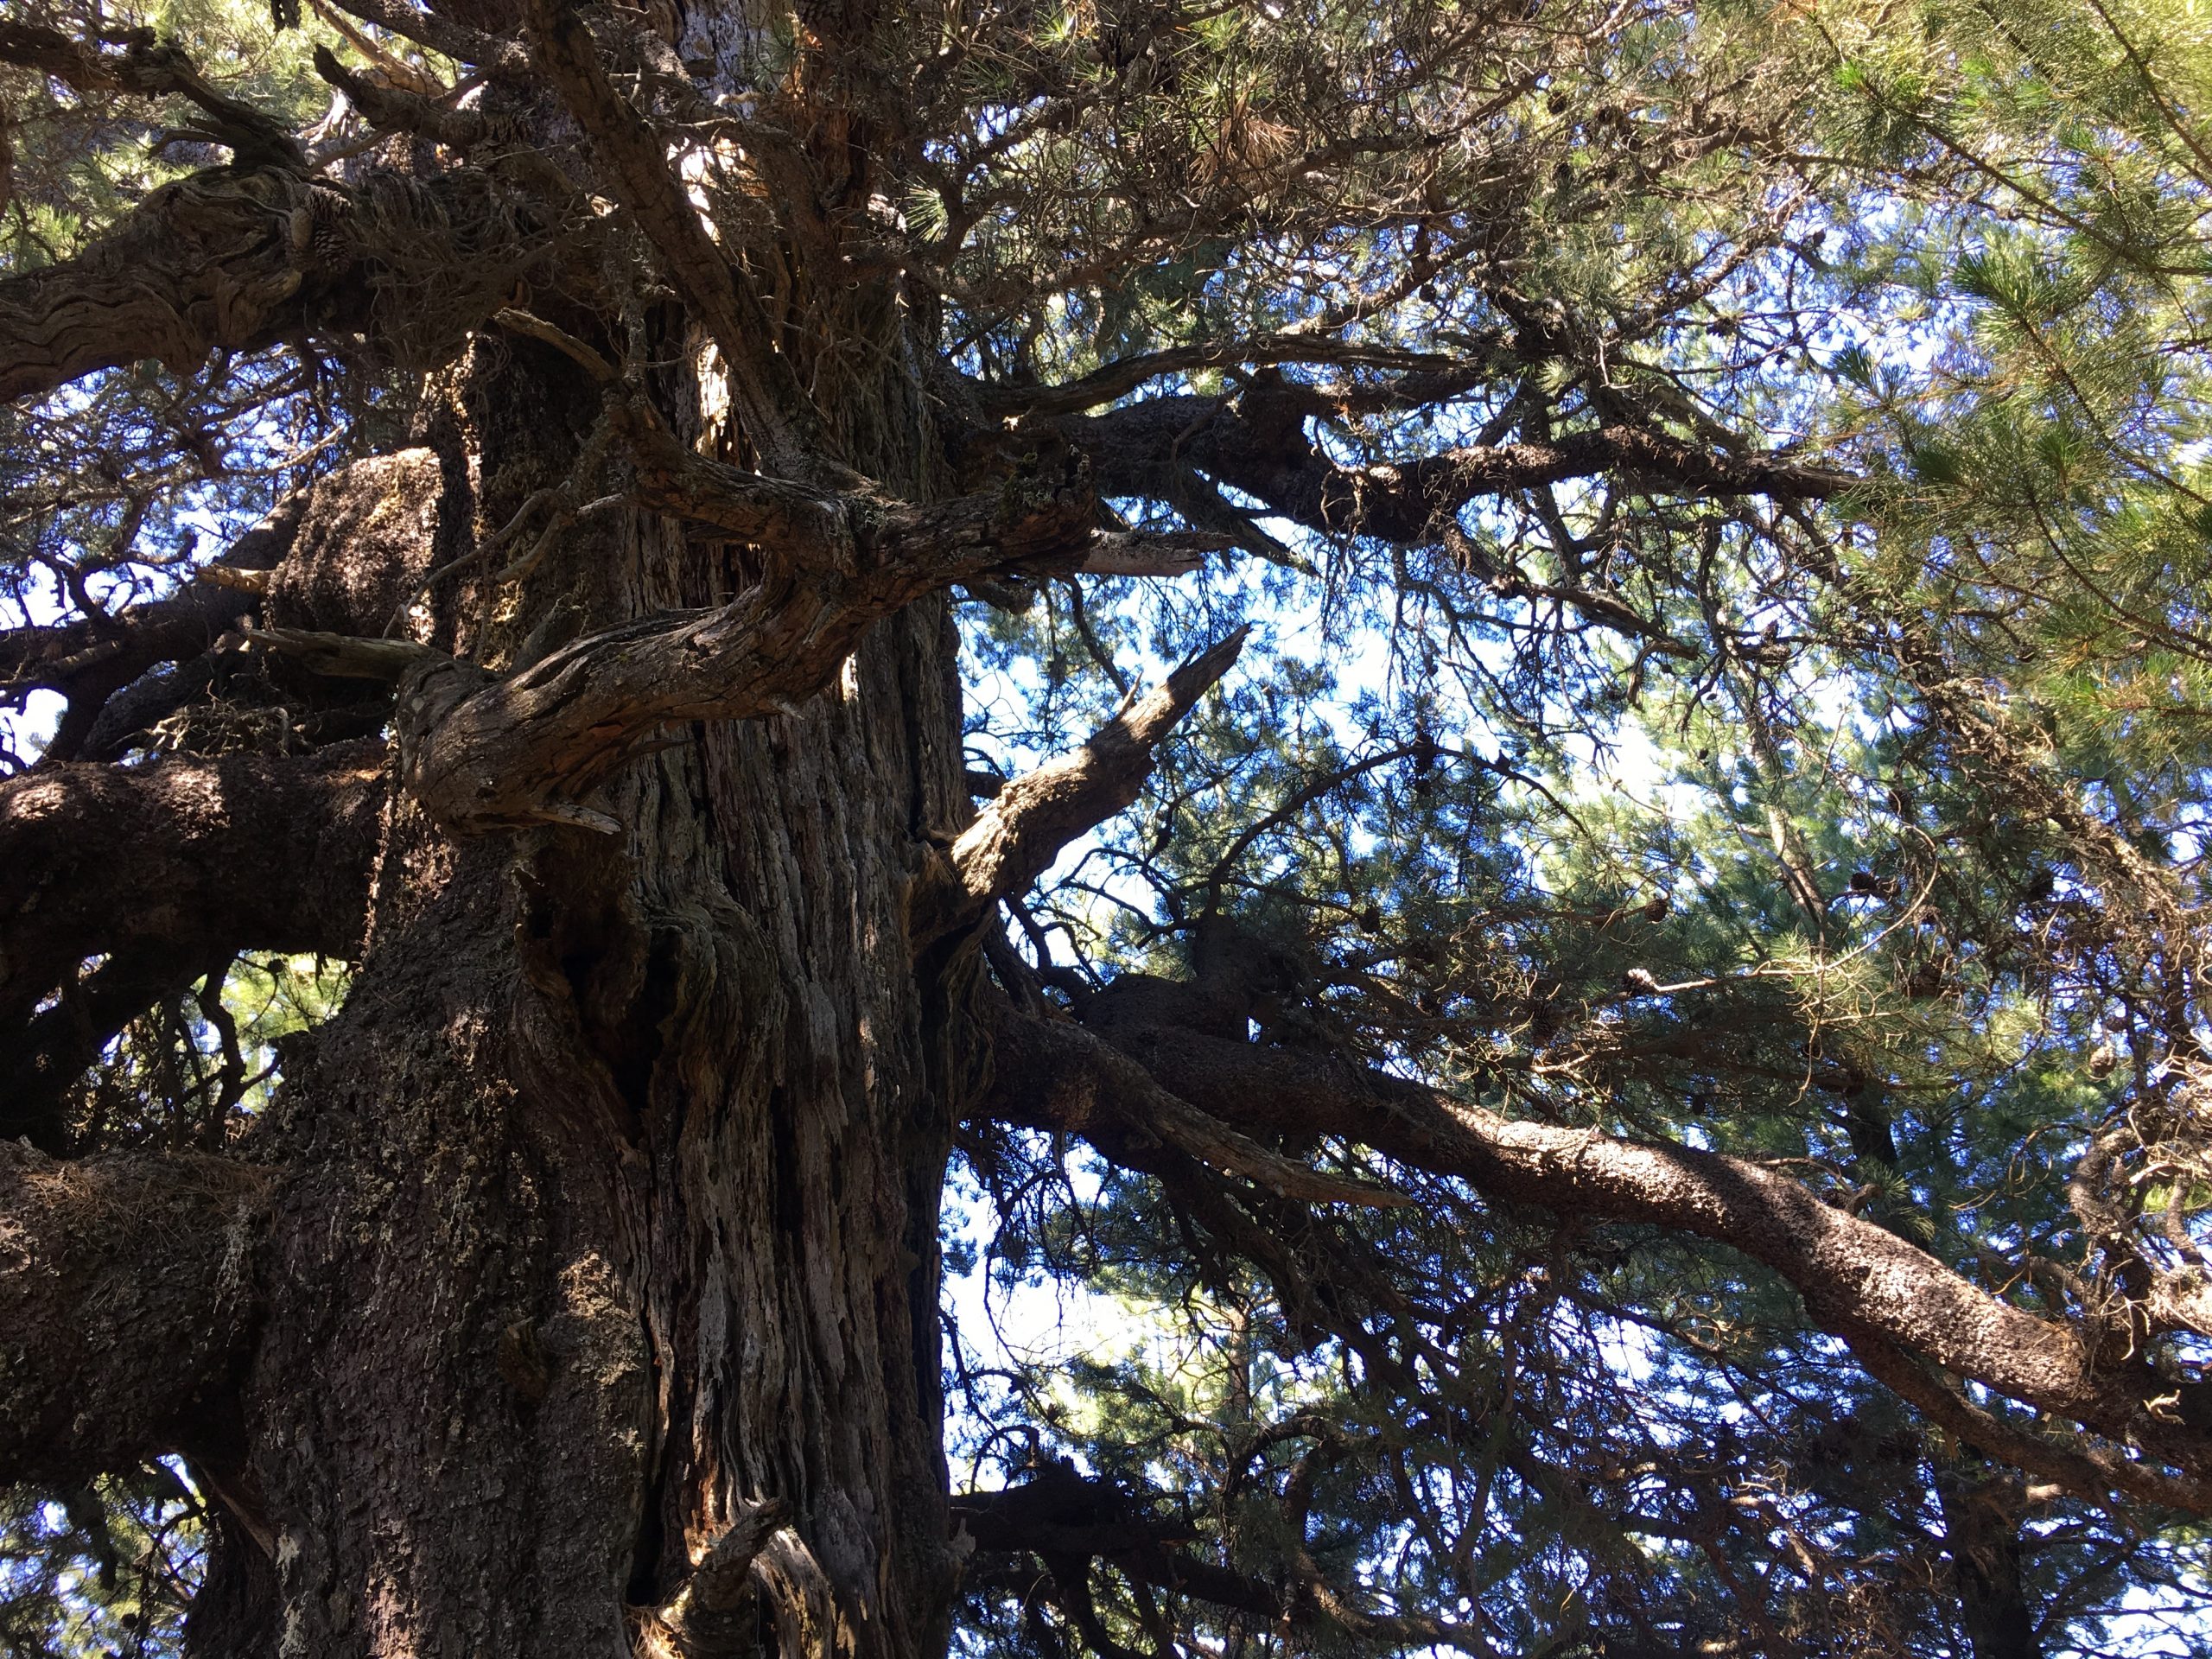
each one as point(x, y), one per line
point(237, 258)
point(481, 753)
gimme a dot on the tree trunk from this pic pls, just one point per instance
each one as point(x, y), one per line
point(608, 1222)
point(1981, 1534)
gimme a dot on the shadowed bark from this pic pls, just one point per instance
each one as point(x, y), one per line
point(1981, 1534)
point(125, 1307)
point(163, 871)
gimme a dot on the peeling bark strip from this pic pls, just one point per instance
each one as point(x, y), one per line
point(1858, 1280)
point(1022, 830)
point(125, 1307)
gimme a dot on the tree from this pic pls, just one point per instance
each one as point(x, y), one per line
point(500, 496)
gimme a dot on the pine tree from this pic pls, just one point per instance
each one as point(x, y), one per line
point(1485, 714)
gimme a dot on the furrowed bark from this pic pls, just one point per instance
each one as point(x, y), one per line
point(220, 260)
point(1029, 820)
point(237, 258)
point(125, 1307)
point(483, 754)
point(1858, 1280)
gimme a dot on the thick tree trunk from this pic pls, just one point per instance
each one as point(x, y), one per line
point(606, 1221)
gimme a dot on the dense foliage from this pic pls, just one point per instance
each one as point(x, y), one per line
point(1855, 826)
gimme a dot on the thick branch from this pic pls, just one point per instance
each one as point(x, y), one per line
point(1117, 379)
point(775, 410)
point(1858, 1280)
point(1257, 444)
point(163, 870)
point(237, 258)
point(1022, 830)
point(124, 1308)
point(188, 856)
point(494, 53)
point(482, 754)
point(219, 260)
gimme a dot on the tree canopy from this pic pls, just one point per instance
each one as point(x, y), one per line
point(1587, 690)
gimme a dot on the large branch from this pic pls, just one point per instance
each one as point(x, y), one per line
point(163, 870)
point(1053, 1074)
point(187, 856)
point(1257, 444)
point(1022, 830)
point(1858, 1280)
point(481, 753)
point(238, 258)
point(222, 259)
point(1117, 379)
point(125, 1307)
